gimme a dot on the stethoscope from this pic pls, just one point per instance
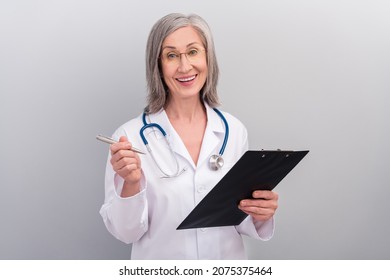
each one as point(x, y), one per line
point(215, 162)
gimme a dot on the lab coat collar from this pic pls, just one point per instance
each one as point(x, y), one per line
point(213, 136)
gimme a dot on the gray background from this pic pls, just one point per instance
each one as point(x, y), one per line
point(299, 74)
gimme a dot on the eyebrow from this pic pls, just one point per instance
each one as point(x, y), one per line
point(172, 47)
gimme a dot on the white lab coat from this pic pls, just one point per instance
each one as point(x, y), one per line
point(149, 219)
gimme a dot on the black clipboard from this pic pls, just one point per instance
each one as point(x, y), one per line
point(255, 170)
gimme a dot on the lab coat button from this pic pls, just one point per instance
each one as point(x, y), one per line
point(201, 189)
point(203, 229)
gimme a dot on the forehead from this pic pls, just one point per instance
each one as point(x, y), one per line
point(182, 38)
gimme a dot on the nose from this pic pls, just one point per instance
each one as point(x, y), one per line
point(184, 63)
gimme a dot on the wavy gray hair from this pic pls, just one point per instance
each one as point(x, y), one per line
point(157, 90)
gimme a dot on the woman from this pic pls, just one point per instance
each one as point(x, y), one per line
point(145, 209)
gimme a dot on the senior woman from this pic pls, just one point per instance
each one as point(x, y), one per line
point(148, 196)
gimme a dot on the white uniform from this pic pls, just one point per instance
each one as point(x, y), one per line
point(149, 219)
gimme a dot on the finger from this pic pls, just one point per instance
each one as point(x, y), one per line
point(257, 210)
point(137, 158)
point(123, 144)
point(268, 195)
point(258, 213)
point(259, 203)
point(120, 146)
point(120, 154)
point(123, 162)
point(127, 169)
point(123, 139)
point(255, 203)
point(129, 172)
point(261, 218)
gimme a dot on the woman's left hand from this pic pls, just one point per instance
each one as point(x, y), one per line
point(262, 207)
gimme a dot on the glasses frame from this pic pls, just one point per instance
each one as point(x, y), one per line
point(178, 60)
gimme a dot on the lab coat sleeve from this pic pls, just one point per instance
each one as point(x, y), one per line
point(256, 229)
point(124, 218)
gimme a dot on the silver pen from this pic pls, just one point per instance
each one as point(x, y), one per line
point(109, 140)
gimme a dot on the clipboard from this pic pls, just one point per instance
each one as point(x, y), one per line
point(255, 170)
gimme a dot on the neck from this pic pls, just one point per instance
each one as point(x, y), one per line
point(185, 110)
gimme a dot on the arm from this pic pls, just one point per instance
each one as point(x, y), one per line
point(124, 211)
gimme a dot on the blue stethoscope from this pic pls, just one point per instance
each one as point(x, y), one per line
point(215, 162)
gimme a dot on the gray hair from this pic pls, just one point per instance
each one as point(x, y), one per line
point(157, 90)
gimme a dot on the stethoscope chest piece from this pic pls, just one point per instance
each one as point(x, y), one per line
point(216, 162)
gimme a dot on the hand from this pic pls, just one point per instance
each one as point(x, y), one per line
point(126, 164)
point(262, 207)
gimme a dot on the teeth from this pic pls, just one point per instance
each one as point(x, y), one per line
point(186, 79)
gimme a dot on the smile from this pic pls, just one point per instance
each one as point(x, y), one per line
point(187, 79)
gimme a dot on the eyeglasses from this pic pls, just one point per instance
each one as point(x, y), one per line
point(193, 55)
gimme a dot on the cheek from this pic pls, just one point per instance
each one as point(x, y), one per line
point(168, 72)
point(204, 69)
point(163, 72)
point(204, 73)
point(165, 75)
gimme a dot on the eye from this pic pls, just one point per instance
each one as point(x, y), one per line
point(172, 56)
point(192, 52)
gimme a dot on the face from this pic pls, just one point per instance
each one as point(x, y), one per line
point(183, 63)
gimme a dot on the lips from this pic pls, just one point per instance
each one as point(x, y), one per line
point(186, 79)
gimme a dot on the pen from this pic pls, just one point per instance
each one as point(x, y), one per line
point(109, 140)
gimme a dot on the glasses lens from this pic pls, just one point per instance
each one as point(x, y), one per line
point(192, 55)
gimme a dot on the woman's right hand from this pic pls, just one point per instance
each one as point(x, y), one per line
point(126, 164)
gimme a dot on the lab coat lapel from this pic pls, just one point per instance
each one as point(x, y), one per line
point(174, 139)
point(213, 137)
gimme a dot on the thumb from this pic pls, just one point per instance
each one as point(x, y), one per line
point(123, 139)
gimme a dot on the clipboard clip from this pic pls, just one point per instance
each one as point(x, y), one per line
point(277, 150)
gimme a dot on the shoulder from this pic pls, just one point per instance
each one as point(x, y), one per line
point(233, 122)
point(130, 129)
point(237, 143)
point(238, 133)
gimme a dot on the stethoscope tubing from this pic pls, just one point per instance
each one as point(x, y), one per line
point(222, 150)
point(216, 161)
point(150, 125)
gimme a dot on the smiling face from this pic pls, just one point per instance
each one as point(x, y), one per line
point(183, 63)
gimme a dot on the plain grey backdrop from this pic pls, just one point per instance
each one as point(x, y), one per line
point(300, 74)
